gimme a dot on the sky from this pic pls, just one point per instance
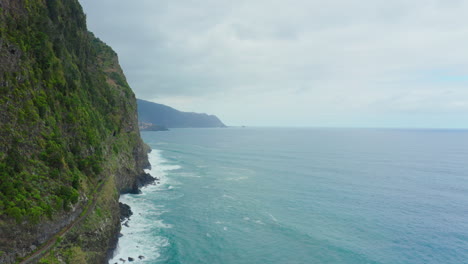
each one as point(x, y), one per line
point(328, 63)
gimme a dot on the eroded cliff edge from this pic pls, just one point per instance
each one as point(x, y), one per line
point(69, 138)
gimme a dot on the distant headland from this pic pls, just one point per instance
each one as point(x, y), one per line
point(159, 116)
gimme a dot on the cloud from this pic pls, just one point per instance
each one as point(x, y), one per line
point(270, 62)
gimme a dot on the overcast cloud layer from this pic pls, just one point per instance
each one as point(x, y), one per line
point(359, 63)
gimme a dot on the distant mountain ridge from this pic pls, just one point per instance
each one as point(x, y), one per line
point(162, 115)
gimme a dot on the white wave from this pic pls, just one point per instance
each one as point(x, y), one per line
point(188, 175)
point(159, 165)
point(228, 196)
point(272, 217)
point(139, 240)
point(161, 224)
point(237, 178)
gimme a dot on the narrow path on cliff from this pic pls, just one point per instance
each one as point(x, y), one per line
point(49, 244)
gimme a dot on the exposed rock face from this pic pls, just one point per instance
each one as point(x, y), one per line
point(69, 137)
point(125, 211)
point(23, 239)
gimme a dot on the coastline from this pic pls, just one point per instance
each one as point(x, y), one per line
point(130, 243)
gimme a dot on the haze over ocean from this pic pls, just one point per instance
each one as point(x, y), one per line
point(299, 195)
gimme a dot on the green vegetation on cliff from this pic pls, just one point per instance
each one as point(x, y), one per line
point(67, 115)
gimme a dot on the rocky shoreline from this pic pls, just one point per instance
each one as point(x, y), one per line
point(141, 181)
point(125, 211)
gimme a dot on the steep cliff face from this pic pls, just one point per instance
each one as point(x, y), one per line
point(69, 138)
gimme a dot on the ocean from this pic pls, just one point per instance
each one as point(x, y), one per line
point(301, 195)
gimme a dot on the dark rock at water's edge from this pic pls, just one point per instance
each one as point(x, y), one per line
point(162, 115)
point(142, 180)
point(125, 211)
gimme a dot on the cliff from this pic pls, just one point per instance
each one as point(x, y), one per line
point(69, 138)
point(165, 116)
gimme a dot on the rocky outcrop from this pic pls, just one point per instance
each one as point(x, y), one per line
point(125, 211)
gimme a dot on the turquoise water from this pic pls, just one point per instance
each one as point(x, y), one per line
point(277, 195)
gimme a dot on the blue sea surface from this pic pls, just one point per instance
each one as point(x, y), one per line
point(302, 195)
